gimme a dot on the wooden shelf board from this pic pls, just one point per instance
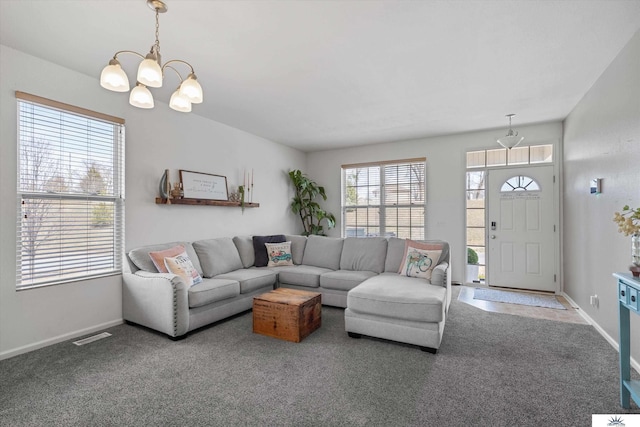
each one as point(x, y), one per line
point(204, 202)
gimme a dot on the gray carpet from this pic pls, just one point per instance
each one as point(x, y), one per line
point(492, 369)
point(522, 298)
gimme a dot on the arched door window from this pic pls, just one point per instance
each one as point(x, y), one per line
point(520, 183)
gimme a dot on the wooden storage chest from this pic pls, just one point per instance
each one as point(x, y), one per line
point(287, 314)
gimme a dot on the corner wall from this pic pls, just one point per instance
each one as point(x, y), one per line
point(602, 140)
point(446, 168)
point(156, 140)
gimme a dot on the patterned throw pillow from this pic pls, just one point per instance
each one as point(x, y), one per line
point(159, 256)
point(260, 252)
point(417, 245)
point(279, 254)
point(183, 267)
point(420, 263)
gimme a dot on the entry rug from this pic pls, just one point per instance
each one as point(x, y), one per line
point(546, 301)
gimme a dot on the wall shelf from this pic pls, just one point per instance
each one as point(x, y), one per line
point(204, 202)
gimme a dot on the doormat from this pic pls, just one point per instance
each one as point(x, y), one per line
point(535, 300)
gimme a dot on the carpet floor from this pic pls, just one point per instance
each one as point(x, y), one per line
point(492, 370)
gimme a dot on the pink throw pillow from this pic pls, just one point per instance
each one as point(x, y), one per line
point(158, 257)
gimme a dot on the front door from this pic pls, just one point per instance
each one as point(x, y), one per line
point(521, 229)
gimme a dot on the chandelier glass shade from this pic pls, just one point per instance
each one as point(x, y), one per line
point(511, 139)
point(151, 74)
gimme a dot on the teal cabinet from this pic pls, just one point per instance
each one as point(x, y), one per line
point(628, 293)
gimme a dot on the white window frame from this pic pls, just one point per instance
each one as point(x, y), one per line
point(384, 229)
point(78, 233)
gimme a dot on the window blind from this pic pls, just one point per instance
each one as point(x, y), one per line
point(384, 199)
point(70, 218)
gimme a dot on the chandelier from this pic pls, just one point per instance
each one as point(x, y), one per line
point(151, 73)
point(511, 139)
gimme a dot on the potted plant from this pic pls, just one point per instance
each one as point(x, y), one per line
point(472, 266)
point(304, 204)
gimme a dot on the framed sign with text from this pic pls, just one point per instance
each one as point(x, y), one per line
point(198, 185)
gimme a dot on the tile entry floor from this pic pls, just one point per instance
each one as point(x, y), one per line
point(570, 315)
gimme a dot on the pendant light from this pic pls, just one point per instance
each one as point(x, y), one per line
point(511, 139)
point(151, 73)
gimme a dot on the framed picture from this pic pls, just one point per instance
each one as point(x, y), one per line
point(198, 185)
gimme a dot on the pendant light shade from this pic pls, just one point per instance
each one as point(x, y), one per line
point(151, 74)
point(191, 89)
point(141, 97)
point(511, 139)
point(180, 102)
point(114, 78)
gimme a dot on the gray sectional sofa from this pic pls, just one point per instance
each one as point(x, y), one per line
point(358, 274)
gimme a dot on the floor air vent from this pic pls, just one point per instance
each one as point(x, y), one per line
point(92, 339)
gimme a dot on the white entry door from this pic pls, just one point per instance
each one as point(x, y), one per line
point(521, 229)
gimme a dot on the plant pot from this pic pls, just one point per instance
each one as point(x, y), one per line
point(472, 273)
point(635, 249)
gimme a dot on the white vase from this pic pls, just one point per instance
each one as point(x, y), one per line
point(635, 249)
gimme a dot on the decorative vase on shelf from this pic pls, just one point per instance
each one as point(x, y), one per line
point(635, 249)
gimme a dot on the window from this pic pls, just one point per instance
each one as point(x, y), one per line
point(520, 183)
point(475, 196)
point(526, 155)
point(70, 193)
point(384, 199)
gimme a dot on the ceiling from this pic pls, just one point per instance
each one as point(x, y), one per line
point(318, 75)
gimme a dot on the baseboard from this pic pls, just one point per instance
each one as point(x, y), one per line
point(58, 339)
point(634, 364)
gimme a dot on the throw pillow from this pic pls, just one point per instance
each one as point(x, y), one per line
point(260, 250)
point(418, 245)
point(420, 263)
point(183, 267)
point(279, 254)
point(158, 257)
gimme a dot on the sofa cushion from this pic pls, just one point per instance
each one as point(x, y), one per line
point(364, 254)
point(157, 257)
point(298, 244)
point(279, 254)
point(323, 252)
point(183, 267)
point(400, 297)
point(301, 275)
point(395, 253)
point(212, 290)
point(251, 279)
point(217, 256)
point(260, 250)
point(344, 280)
point(141, 259)
point(244, 244)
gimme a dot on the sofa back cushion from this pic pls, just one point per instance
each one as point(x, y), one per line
point(141, 259)
point(396, 253)
point(298, 244)
point(244, 245)
point(323, 252)
point(260, 250)
point(364, 254)
point(217, 256)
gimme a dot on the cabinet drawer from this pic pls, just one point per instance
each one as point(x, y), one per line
point(632, 302)
point(623, 294)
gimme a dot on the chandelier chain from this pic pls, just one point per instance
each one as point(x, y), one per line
point(157, 32)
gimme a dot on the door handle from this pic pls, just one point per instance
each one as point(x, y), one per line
point(493, 236)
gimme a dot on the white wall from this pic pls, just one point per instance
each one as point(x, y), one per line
point(602, 140)
point(446, 167)
point(157, 139)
